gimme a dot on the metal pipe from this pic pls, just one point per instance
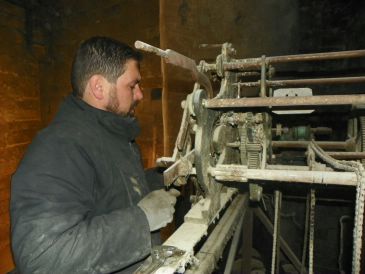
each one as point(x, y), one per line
point(254, 63)
point(302, 82)
point(283, 244)
point(315, 130)
point(263, 81)
point(233, 248)
point(304, 144)
point(240, 173)
point(330, 200)
point(305, 240)
point(317, 56)
point(321, 100)
point(275, 258)
point(346, 155)
point(248, 74)
point(311, 231)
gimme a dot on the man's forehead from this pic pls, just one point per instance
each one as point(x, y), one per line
point(132, 62)
point(132, 71)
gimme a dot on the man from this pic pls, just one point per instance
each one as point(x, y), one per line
point(79, 198)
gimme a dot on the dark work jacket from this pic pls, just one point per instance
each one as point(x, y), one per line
point(74, 196)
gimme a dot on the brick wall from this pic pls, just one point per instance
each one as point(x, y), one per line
point(19, 110)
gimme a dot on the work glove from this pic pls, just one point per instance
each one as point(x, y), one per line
point(159, 208)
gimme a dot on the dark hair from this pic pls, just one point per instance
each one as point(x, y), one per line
point(100, 55)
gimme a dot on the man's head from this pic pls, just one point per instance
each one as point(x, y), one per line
point(105, 74)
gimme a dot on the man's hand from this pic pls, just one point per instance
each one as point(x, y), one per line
point(159, 207)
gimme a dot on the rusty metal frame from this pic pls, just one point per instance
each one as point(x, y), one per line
point(255, 63)
point(303, 82)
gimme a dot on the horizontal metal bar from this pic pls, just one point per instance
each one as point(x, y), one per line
point(254, 63)
point(286, 167)
point(321, 100)
point(317, 56)
point(240, 173)
point(315, 130)
point(301, 82)
point(344, 155)
point(323, 144)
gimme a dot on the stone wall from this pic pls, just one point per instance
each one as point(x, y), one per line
point(19, 110)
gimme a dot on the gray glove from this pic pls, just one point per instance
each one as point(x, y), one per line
point(159, 207)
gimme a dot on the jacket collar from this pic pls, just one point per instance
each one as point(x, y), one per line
point(125, 126)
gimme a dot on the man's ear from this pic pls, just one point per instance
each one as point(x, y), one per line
point(96, 84)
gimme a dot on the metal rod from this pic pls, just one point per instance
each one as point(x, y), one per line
point(346, 155)
point(240, 173)
point(252, 63)
point(148, 48)
point(304, 144)
point(330, 200)
point(317, 56)
point(306, 229)
point(283, 244)
point(248, 74)
point(315, 130)
point(321, 100)
point(263, 81)
point(302, 82)
point(311, 230)
point(275, 259)
point(233, 248)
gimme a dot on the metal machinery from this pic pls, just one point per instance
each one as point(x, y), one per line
point(263, 139)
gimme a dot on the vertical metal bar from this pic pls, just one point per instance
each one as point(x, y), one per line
point(305, 241)
point(311, 230)
point(276, 235)
point(263, 77)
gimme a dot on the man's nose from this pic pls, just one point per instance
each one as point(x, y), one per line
point(138, 95)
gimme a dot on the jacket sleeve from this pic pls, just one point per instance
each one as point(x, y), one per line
point(154, 178)
point(54, 228)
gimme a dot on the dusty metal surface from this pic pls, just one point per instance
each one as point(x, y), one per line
point(238, 173)
point(323, 100)
point(177, 59)
point(303, 82)
point(211, 251)
point(283, 137)
point(253, 63)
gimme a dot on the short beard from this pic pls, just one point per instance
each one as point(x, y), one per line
point(113, 104)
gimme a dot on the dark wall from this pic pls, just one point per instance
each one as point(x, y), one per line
point(253, 27)
point(127, 21)
point(19, 109)
point(39, 38)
